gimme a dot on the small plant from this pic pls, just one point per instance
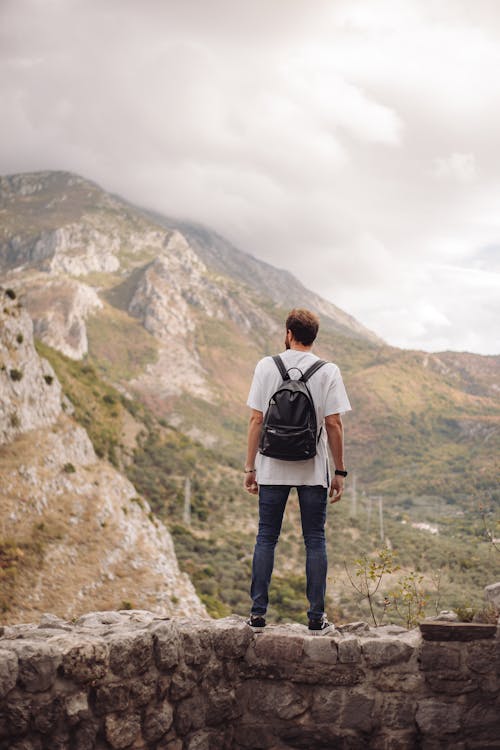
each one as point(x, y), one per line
point(19, 338)
point(408, 599)
point(16, 374)
point(174, 599)
point(14, 420)
point(108, 398)
point(49, 379)
point(369, 574)
point(126, 604)
point(10, 293)
point(68, 468)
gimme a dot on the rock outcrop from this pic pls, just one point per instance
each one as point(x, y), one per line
point(134, 680)
point(84, 538)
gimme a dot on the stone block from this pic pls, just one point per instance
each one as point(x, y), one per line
point(327, 704)
point(396, 740)
point(46, 712)
point(130, 654)
point(86, 661)
point(349, 650)
point(273, 699)
point(275, 649)
point(17, 714)
point(439, 656)
point(196, 640)
point(158, 719)
point(435, 717)
point(76, 707)
point(184, 681)
point(37, 665)
point(84, 736)
point(389, 680)
point(111, 696)
point(167, 645)
point(143, 690)
point(397, 712)
point(322, 650)
point(381, 651)
point(481, 656)
point(8, 671)
point(314, 673)
point(450, 684)
point(231, 637)
point(222, 706)
point(492, 594)
point(191, 714)
point(122, 729)
point(357, 713)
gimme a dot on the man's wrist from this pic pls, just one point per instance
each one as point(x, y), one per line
point(249, 471)
point(340, 473)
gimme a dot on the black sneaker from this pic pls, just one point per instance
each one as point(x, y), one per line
point(257, 622)
point(320, 627)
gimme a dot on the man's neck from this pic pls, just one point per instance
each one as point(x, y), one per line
point(300, 347)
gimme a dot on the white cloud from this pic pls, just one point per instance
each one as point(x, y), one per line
point(354, 143)
point(461, 167)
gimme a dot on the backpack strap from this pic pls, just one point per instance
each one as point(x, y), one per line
point(281, 367)
point(312, 369)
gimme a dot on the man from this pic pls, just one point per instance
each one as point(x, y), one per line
point(272, 478)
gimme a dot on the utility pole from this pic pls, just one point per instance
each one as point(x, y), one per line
point(368, 513)
point(187, 502)
point(381, 516)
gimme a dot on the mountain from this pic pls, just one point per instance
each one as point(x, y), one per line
point(172, 317)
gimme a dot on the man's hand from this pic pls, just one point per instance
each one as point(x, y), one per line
point(250, 484)
point(336, 488)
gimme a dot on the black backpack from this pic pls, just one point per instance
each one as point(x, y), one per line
point(289, 429)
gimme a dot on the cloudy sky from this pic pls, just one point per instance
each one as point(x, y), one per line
point(356, 143)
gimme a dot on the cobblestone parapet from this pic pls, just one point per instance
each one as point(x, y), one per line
point(133, 680)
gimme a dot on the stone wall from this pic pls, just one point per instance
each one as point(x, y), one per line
point(135, 680)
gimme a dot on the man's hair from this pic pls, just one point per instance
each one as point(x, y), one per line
point(304, 325)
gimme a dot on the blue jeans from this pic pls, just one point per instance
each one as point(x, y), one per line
point(272, 503)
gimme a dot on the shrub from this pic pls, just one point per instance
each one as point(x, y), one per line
point(19, 338)
point(68, 468)
point(49, 379)
point(16, 374)
point(10, 293)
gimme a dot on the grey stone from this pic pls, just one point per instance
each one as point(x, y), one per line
point(357, 713)
point(439, 656)
point(446, 615)
point(183, 682)
point(112, 696)
point(122, 729)
point(86, 661)
point(157, 721)
point(492, 594)
point(450, 685)
point(275, 648)
point(437, 718)
point(481, 656)
point(381, 651)
point(8, 671)
point(85, 734)
point(320, 649)
point(355, 628)
point(77, 707)
point(143, 690)
point(49, 620)
point(231, 637)
point(279, 699)
point(167, 645)
point(222, 706)
point(190, 714)
point(38, 663)
point(327, 704)
point(46, 712)
point(397, 711)
point(200, 741)
point(391, 681)
point(349, 650)
point(196, 640)
point(130, 653)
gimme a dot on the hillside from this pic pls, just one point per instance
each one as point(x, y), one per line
point(173, 318)
point(74, 533)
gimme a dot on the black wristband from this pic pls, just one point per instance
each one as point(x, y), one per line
point(340, 473)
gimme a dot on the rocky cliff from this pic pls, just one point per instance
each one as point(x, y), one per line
point(134, 680)
point(74, 534)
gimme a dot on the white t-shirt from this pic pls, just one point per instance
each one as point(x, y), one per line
point(329, 396)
